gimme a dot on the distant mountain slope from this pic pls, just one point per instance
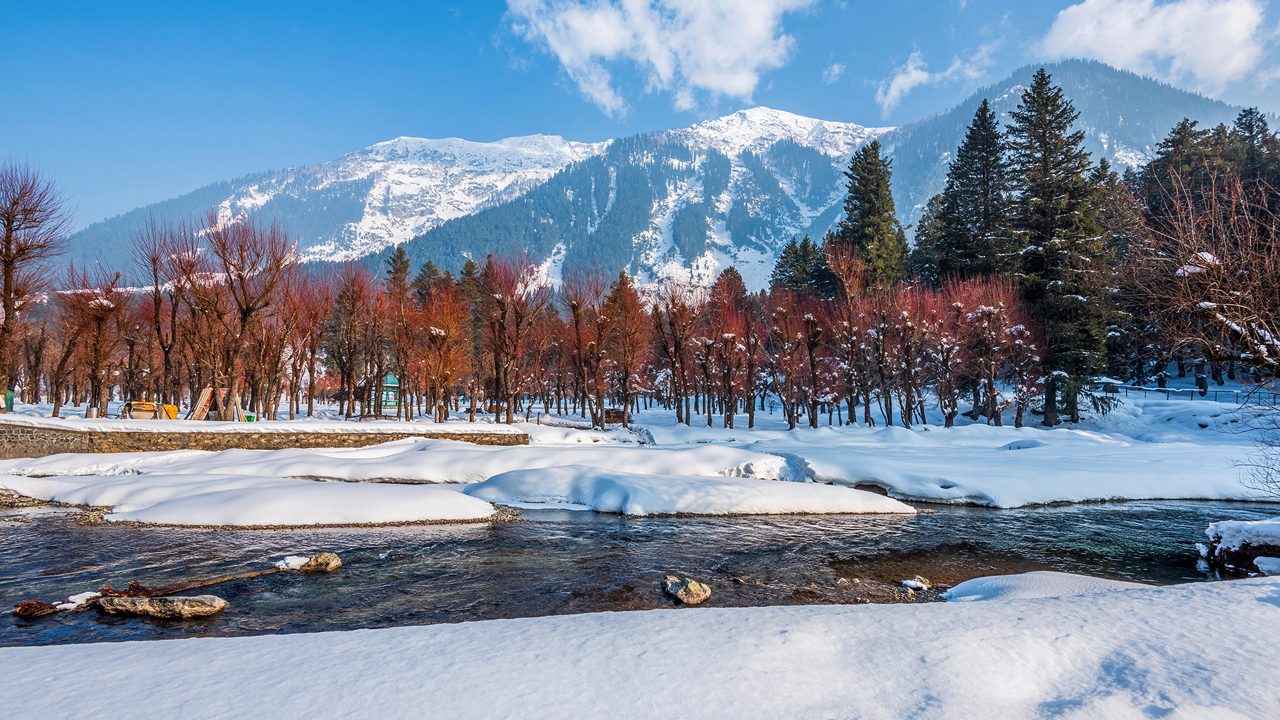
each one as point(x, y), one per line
point(1124, 117)
point(728, 191)
point(363, 202)
point(687, 201)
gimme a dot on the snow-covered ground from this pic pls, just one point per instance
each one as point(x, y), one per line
point(283, 487)
point(1032, 585)
point(250, 500)
point(1233, 534)
point(1148, 449)
point(613, 491)
point(1203, 650)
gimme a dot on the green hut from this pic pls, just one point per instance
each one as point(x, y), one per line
point(389, 389)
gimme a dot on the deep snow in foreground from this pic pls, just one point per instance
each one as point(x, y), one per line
point(613, 491)
point(247, 500)
point(1204, 650)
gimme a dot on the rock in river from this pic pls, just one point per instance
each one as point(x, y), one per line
point(322, 563)
point(186, 606)
point(687, 591)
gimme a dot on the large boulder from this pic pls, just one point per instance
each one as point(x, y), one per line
point(176, 607)
point(687, 591)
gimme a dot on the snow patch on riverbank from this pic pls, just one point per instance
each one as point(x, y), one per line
point(1146, 450)
point(423, 461)
point(626, 493)
point(1032, 585)
point(1196, 650)
point(244, 500)
point(1234, 534)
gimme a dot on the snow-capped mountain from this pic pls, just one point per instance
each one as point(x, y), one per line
point(757, 129)
point(408, 186)
point(682, 202)
point(677, 203)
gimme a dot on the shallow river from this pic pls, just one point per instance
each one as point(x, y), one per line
point(566, 562)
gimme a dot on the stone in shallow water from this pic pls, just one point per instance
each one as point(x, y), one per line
point(176, 607)
point(917, 583)
point(687, 591)
point(324, 562)
point(30, 609)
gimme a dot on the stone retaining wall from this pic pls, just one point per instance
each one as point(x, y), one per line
point(18, 441)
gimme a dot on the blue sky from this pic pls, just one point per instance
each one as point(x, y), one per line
point(125, 104)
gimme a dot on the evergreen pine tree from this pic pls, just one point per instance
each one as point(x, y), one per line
point(398, 273)
point(1061, 258)
point(870, 223)
point(1257, 154)
point(426, 278)
point(784, 268)
point(1179, 165)
point(471, 284)
point(802, 268)
point(1131, 346)
point(925, 255)
point(974, 211)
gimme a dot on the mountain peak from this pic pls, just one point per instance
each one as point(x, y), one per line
point(756, 128)
point(522, 149)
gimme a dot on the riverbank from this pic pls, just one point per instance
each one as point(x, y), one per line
point(1200, 650)
point(557, 562)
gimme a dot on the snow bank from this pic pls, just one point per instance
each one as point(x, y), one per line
point(424, 461)
point(1009, 467)
point(1191, 651)
point(1031, 585)
point(1147, 449)
point(1233, 534)
point(1268, 565)
point(614, 491)
point(245, 500)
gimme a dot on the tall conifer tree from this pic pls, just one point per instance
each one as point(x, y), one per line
point(1060, 251)
point(870, 223)
point(974, 213)
point(398, 273)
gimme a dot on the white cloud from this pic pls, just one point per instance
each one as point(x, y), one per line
point(685, 47)
point(832, 74)
point(915, 73)
point(1209, 43)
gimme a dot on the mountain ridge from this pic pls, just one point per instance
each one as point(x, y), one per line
point(675, 202)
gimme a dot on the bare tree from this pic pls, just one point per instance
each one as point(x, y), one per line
point(33, 227)
point(162, 251)
point(1210, 273)
point(251, 261)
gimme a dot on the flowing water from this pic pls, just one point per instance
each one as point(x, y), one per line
point(567, 562)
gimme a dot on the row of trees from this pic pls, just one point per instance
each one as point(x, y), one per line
point(1033, 272)
point(225, 307)
point(1105, 264)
